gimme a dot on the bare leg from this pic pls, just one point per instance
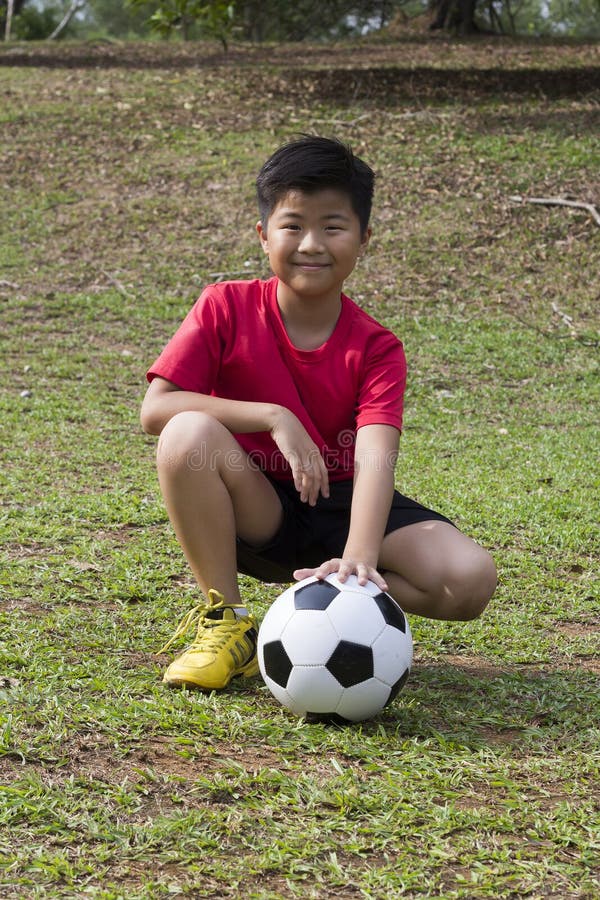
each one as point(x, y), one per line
point(434, 570)
point(213, 493)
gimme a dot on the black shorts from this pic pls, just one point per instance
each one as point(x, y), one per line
point(311, 534)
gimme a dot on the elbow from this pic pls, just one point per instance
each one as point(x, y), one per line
point(149, 420)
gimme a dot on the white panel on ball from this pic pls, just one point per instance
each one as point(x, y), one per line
point(309, 638)
point(278, 692)
point(279, 614)
point(318, 689)
point(361, 701)
point(392, 651)
point(355, 617)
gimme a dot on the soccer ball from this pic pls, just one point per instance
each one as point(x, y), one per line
point(334, 651)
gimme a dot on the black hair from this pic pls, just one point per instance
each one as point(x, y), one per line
point(312, 163)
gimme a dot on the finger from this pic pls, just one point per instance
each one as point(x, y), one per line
point(345, 568)
point(301, 574)
point(324, 477)
point(362, 573)
point(378, 579)
point(311, 485)
point(302, 477)
point(380, 582)
point(305, 488)
point(296, 471)
point(342, 571)
point(315, 488)
point(321, 571)
point(329, 567)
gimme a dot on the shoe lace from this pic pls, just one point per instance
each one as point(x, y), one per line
point(199, 618)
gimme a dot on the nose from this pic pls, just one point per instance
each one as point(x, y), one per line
point(311, 242)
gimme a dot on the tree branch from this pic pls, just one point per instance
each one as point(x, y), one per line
point(76, 6)
point(10, 5)
point(558, 201)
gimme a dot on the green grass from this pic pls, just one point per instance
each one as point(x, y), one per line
point(124, 192)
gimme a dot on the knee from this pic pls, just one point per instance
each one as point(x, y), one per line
point(470, 585)
point(187, 442)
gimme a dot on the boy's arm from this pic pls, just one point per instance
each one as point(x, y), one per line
point(164, 400)
point(376, 452)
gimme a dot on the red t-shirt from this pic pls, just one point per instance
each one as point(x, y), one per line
point(233, 344)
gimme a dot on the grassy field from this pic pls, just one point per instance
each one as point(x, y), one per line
point(125, 188)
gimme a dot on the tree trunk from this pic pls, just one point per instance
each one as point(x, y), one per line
point(75, 6)
point(10, 5)
point(454, 15)
point(254, 26)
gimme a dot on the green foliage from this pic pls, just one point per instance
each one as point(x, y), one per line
point(578, 20)
point(523, 17)
point(204, 18)
point(115, 18)
point(280, 20)
point(35, 23)
point(541, 17)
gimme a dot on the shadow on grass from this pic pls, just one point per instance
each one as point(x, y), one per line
point(325, 76)
point(389, 85)
point(479, 704)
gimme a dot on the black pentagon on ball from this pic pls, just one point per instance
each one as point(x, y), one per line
point(351, 663)
point(316, 595)
point(391, 612)
point(278, 665)
point(397, 687)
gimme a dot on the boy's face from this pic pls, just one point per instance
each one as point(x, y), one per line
point(313, 241)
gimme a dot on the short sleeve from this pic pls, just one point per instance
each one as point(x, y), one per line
point(192, 357)
point(383, 381)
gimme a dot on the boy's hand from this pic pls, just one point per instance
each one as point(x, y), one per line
point(343, 568)
point(301, 452)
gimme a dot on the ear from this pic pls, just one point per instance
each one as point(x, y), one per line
point(262, 234)
point(364, 241)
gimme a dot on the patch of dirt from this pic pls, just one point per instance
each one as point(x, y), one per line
point(25, 551)
point(475, 666)
point(578, 629)
point(589, 663)
point(586, 630)
point(92, 756)
point(25, 605)
point(546, 797)
point(504, 737)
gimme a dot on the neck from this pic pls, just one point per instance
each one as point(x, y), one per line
point(310, 321)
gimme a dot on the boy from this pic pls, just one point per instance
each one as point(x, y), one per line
point(279, 407)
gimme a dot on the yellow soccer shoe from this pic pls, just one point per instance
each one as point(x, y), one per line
point(224, 647)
